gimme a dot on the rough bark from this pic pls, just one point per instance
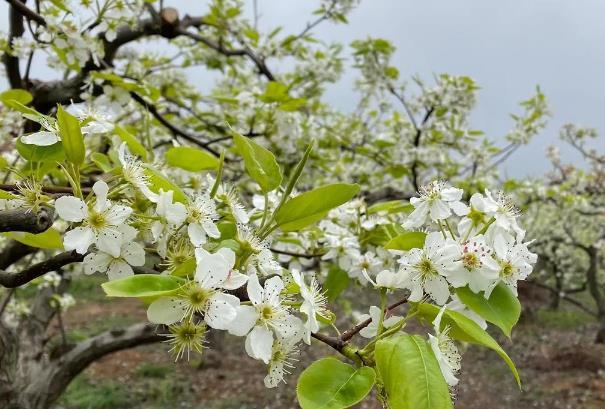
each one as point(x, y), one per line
point(26, 220)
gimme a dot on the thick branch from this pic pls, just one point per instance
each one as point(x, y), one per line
point(53, 190)
point(12, 280)
point(13, 252)
point(16, 29)
point(257, 60)
point(86, 352)
point(26, 220)
point(26, 12)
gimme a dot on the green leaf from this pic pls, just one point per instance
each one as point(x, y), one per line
point(407, 241)
point(71, 136)
point(336, 282)
point(142, 285)
point(191, 159)
point(18, 106)
point(467, 330)
point(134, 146)
point(390, 207)
point(35, 153)
point(260, 163)
point(49, 239)
point(275, 92)
point(410, 374)
point(311, 206)
point(158, 182)
point(102, 161)
point(331, 384)
point(501, 309)
point(17, 94)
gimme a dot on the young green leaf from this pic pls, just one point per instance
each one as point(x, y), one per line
point(158, 182)
point(331, 384)
point(134, 146)
point(35, 153)
point(49, 239)
point(410, 374)
point(71, 136)
point(336, 282)
point(466, 330)
point(20, 95)
point(312, 206)
point(142, 285)
point(260, 163)
point(191, 159)
point(407, 241)
point(501, 309)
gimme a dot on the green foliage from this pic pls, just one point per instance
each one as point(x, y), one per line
point(331, 384)
point(71, 137)
point(83, 394)
point(134, 146)
point(502, 309)
point(142, 285)
point(466, 330)
point(260, 163)
point(191, 159)
point(312, 206)
point(49, 239)
point(336, 282)
point(34, 153)
point(159, 182)
point(407, 241)
point(152, 370)
point(16, 94)
point(410, 374)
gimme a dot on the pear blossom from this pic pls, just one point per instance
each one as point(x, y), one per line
point(475, 266)
point(515, 263)
point(170, 216)
point(281, 361)
point(100, 222)
point(425, 270)
point(201, 214)
point(266, 316)
point(49, 135)
point(437, 200)
point(204, 295)
point(445, 351)
point(96, 120)
point(134, 172)
point(131, 254)
point(314, 303)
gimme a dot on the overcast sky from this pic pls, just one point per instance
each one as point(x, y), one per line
point(508, 47)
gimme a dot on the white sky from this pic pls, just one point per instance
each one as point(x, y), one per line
point(508, 47)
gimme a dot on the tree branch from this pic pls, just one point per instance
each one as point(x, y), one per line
point(26, 12)
point(12, 280)
point(16, 29)
point(25, 220)
point(86, 352)
point(170, 126)
point(257, 60)
point(347, 335)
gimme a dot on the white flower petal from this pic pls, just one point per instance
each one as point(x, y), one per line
point(78, 239)
point(71, 209)
point(166, 310)
point(245, 320)
point(259, 343)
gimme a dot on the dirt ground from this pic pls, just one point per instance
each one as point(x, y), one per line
point(560, 367)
